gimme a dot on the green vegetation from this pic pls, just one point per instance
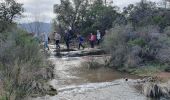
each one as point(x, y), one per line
point(23, 67)
point(138, 39)
point(85, 17)
point(92, 63)
point(9, 10)
point(143, 51)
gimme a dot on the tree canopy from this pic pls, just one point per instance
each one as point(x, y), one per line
point(81, 15)
point(9, 10)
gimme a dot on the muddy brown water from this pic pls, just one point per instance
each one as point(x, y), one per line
point(70, 71)
point(74, 81)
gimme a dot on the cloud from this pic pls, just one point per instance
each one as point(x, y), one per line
point(38, 8)
point(123, 3)
point(44, 8)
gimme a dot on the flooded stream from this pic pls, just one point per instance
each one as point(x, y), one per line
point(77, 82)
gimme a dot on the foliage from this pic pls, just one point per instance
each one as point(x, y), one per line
point(69, 14)
point(91, 63)
point(141, 13)
point(9, 10)
point(147, 13)
point(22, 65)
point(133, 49)
point(150, 70)
point(84, 17)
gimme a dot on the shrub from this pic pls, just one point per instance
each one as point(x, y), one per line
point(91, 63)
point(22, 65)
point(167, 30)
point(132, 49)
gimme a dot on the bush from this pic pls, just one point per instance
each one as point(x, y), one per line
point(22, 65)
point(91, 63)
point(132, 49)
point(167, 30)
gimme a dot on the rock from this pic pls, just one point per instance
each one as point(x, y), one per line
point(155, 90)
point(52, 91)
point(126, 79)
point(85, 53)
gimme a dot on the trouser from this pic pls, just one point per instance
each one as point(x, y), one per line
point(92, 44)
point(68, 45)
point(98, 41)
point(46, 45)
point(57, 44)
point(81, 45)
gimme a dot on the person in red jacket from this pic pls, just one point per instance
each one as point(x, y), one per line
point(92, 40)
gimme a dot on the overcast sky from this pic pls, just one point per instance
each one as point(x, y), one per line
point(42, 10)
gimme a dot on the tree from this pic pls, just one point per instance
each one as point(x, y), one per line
point(56, 27)
point(69, 13)
point(9, 10)
point(100, 16)
point(85, 15)
point(141, 13)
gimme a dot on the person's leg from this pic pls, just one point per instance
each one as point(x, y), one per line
point(79, 46)
point(67, 44)
point(57, 44)
point(46, 45)
point(92, 44)
point(98, 41)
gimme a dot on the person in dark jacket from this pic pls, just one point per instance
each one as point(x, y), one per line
point(67, 39)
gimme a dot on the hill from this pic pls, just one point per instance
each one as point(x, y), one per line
point(36, 27)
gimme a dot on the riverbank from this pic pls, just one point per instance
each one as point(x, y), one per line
point(149, 71)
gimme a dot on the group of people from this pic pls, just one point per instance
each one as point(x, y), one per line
point(68, 36)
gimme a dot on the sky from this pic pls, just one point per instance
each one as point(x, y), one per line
point(42, 10)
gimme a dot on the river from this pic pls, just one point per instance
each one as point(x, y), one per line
point(77, 82)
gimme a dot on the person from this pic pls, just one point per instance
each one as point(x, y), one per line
point(67, 39)
point(57, 38)
point(80, 39)
point(46, 41)
point(98, 37)
point(92, 40)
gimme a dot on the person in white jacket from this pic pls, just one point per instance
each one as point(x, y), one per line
point(57, 38)
point(46, 41)
point(98, 37)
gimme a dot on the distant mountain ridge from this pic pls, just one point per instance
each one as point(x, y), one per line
point(36, 27)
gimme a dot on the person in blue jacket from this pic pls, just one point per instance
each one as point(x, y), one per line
point(80, 40)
